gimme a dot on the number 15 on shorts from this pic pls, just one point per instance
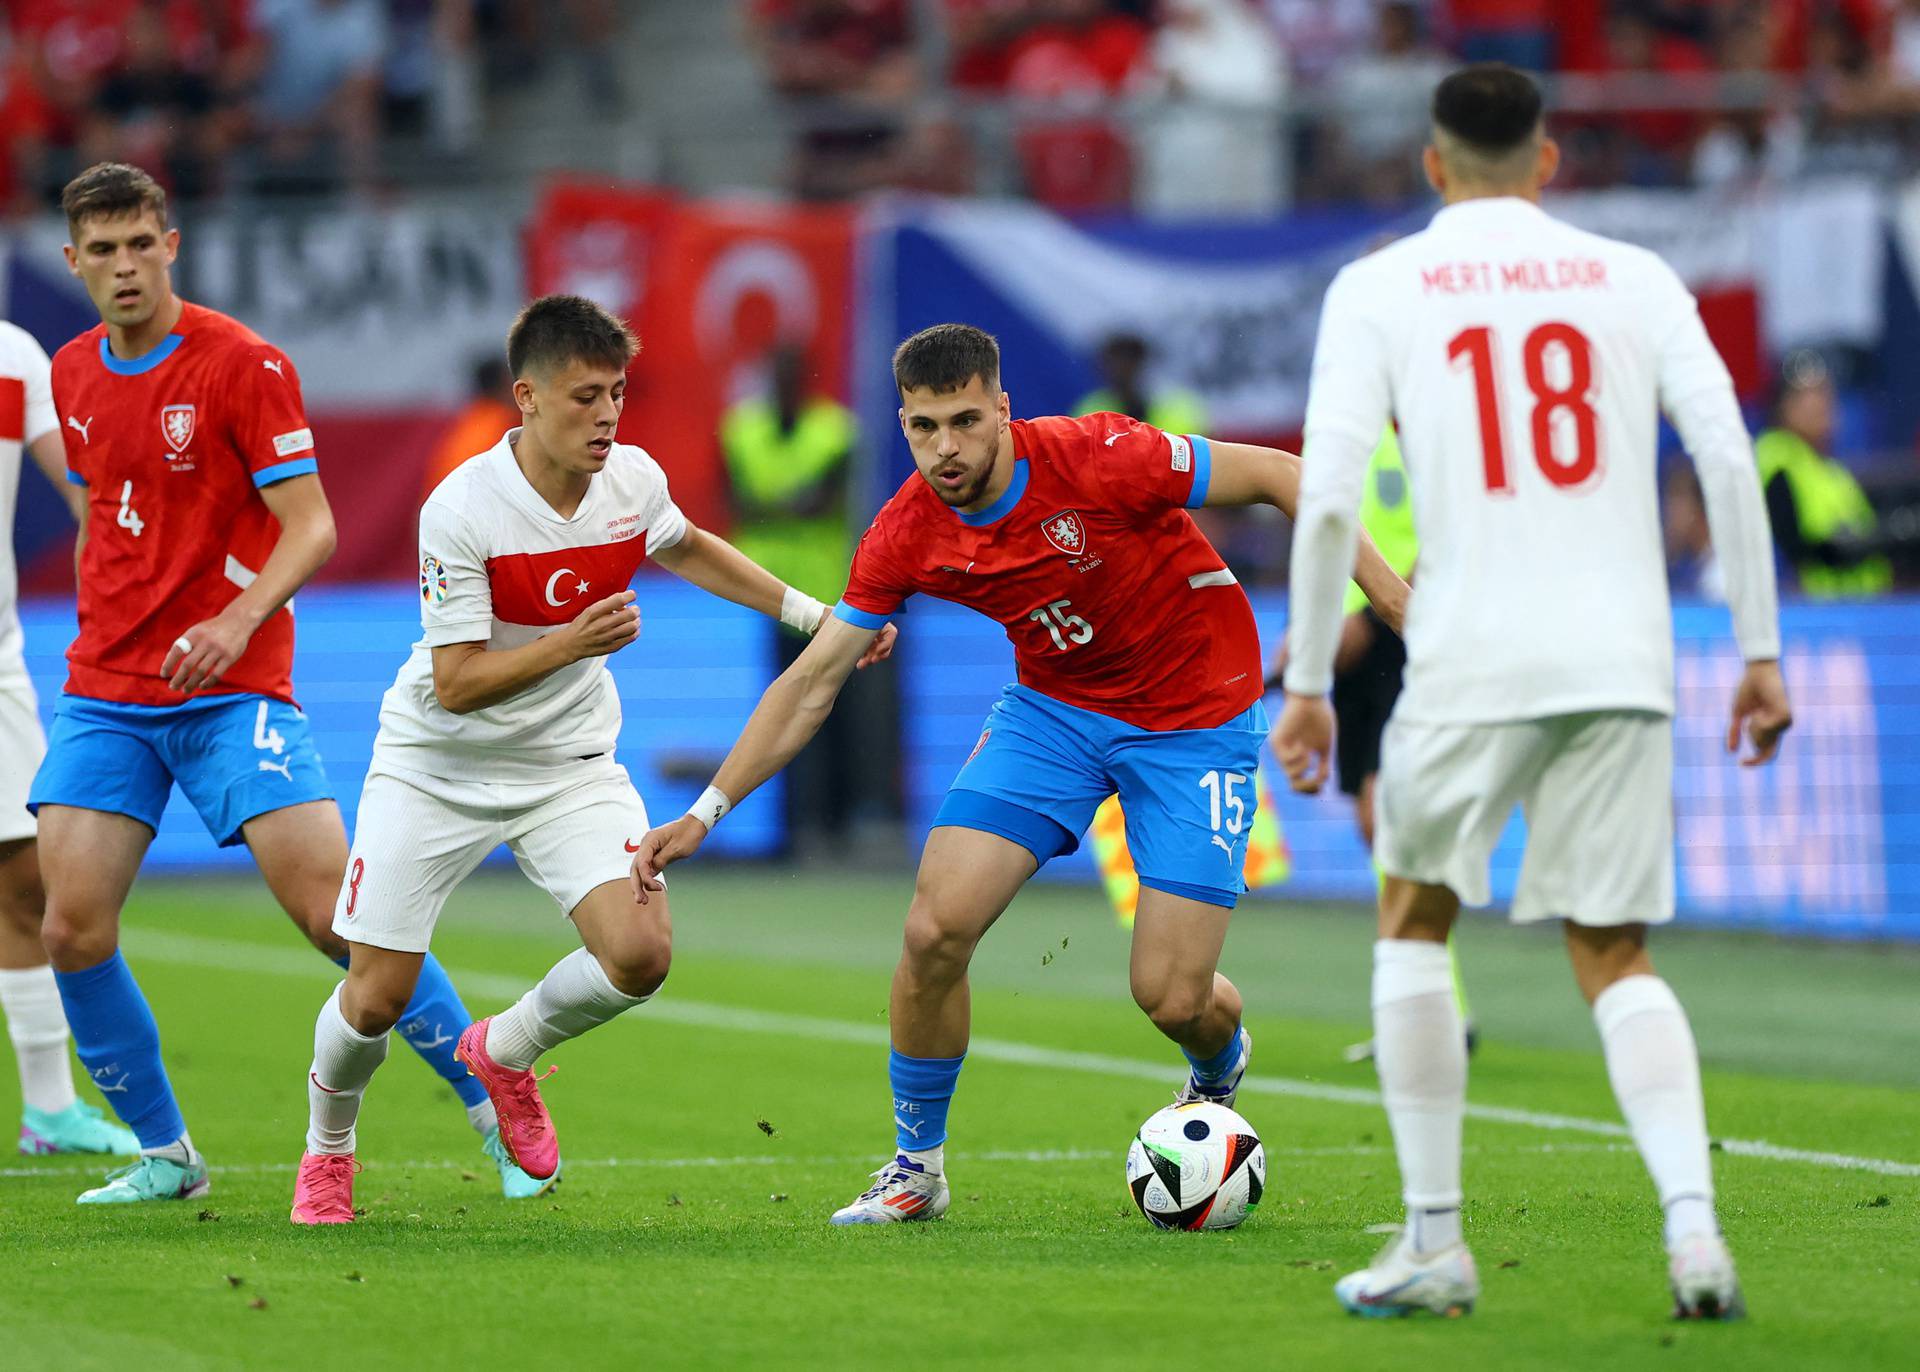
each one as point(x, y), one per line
point(1226, 805)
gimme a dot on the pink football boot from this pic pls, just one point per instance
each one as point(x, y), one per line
point(323, 1192)
point(525, 1127)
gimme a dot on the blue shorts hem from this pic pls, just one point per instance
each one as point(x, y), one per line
point(1207, 895)
point(1044, 837)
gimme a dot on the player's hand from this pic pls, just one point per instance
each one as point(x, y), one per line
point(1761, 712)
point(604, 627)
point(1303, 741)
point(880, 649)
point(660, 849)
point(204, 653)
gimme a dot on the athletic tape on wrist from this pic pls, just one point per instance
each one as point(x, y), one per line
point(711, 807)
point(798, 610)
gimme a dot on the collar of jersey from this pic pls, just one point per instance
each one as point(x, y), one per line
point(146, 362)
point(1487, 205)
point(1002, 507)
point(521, 490)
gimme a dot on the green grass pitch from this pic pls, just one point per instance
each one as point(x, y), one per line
point(686, 1235)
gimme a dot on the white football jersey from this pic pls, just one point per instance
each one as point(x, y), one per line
point(498, 565)
point(1525, 362)
point(26, 413)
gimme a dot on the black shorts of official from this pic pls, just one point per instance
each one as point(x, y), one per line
point(1362, 701)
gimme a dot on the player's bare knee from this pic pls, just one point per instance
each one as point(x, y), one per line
point(934, 947)
point(1176, 1008)
point(76, 940)
point(1603, 956)
point(640, 965)
point(373, 1005)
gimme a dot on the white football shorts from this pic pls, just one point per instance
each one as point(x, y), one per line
point(22, 745)
point(418, 837)
point(1596, 791)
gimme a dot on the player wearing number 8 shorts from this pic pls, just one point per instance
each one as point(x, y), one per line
point(1526, 363)
point(1139, 673)
point(500, 729)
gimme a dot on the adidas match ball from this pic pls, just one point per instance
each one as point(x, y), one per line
point(1197, 1166)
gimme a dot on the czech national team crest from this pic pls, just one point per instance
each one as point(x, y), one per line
point(1067, 532)
point(176, 424)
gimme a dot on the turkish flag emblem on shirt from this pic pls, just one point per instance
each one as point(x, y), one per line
point(553, 587)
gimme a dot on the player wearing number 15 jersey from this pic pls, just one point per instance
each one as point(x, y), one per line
point(1139, 673)
point(1525, 362)
point(204, 515)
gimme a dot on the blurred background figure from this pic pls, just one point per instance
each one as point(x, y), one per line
point(789, 450)
point(1824, 528)
point(1126, 388)
point(489, 412)
point(1211, 144)
point(319, 102)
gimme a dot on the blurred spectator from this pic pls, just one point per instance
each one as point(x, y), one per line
point(525, 31)
point(1319, 37)
point(1647, 146)
point(432, 77)
point(1692, 567)
point(1122, 362)
point(787, 454)
point(26, 121)
point(1823, 526)
point(319, 100)
point(1213, 146)
point(1067, 70)
point(1745, 146)
point(154, 110)
point(851, 64)
point(490, 411)
point(1381, 102)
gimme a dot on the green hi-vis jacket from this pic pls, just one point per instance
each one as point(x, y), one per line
point(1827, 501)
point(789, 489)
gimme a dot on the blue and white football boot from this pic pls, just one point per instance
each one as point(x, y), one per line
point(902, 1190)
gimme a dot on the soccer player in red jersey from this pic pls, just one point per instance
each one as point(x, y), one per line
point(1139, 673)
point(204, 515)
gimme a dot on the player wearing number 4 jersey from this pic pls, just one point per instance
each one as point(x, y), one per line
point(1525, 362)
point(1139, 672)
point(204, 514)
point(501, 729)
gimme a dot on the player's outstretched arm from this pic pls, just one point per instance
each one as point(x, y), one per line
point(472, 676)
point(202, 655)
point(716, 566)
point(1247, 475)
point(789, 714)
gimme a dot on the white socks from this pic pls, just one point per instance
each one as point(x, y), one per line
point(573, 997)
point(38, 1027)
point(343, 1063)
point(1419, 1046)
point(1655, 1070)
point(934, 1159)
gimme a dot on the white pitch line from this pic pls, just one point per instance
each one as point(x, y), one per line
point(1026, 1155)
point(165, 946)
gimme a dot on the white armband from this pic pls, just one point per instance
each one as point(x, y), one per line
point(798, 610)
point(711, 807)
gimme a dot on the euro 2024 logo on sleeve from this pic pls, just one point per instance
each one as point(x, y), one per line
point(433, 580)
point(1066, 532)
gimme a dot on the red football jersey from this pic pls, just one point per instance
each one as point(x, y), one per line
point(1113, 599)
point(173, 448)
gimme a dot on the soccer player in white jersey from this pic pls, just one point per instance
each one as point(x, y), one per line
point(1525, 362)
point(52, 1119)
point(501, 728)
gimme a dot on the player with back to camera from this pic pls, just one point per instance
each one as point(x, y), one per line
point(204, 514)
point(1526, 363)
point(500, 728)
point(1139, 669)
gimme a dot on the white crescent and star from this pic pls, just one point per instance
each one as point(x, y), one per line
point(580, 589)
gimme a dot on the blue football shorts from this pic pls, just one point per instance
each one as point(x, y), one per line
point(1043, 767)
point(234, 756)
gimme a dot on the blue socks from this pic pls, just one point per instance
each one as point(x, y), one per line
point(432, 1024)
point(114, 1032)
point(922, 1091)
point(1208, 1071)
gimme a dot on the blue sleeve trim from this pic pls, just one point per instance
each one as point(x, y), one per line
point(860, 619)
point(1202, 471)
point(284, 471)
point(75, 477)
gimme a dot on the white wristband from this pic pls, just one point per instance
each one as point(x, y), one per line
point(711, 807)
point(798, 610)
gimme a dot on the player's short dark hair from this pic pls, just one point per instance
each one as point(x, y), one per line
point(557, 329)
point(107, 190)
point(945, 358)
point(1490, 107)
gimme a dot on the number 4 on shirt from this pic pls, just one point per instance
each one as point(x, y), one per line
point(1476, 346)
